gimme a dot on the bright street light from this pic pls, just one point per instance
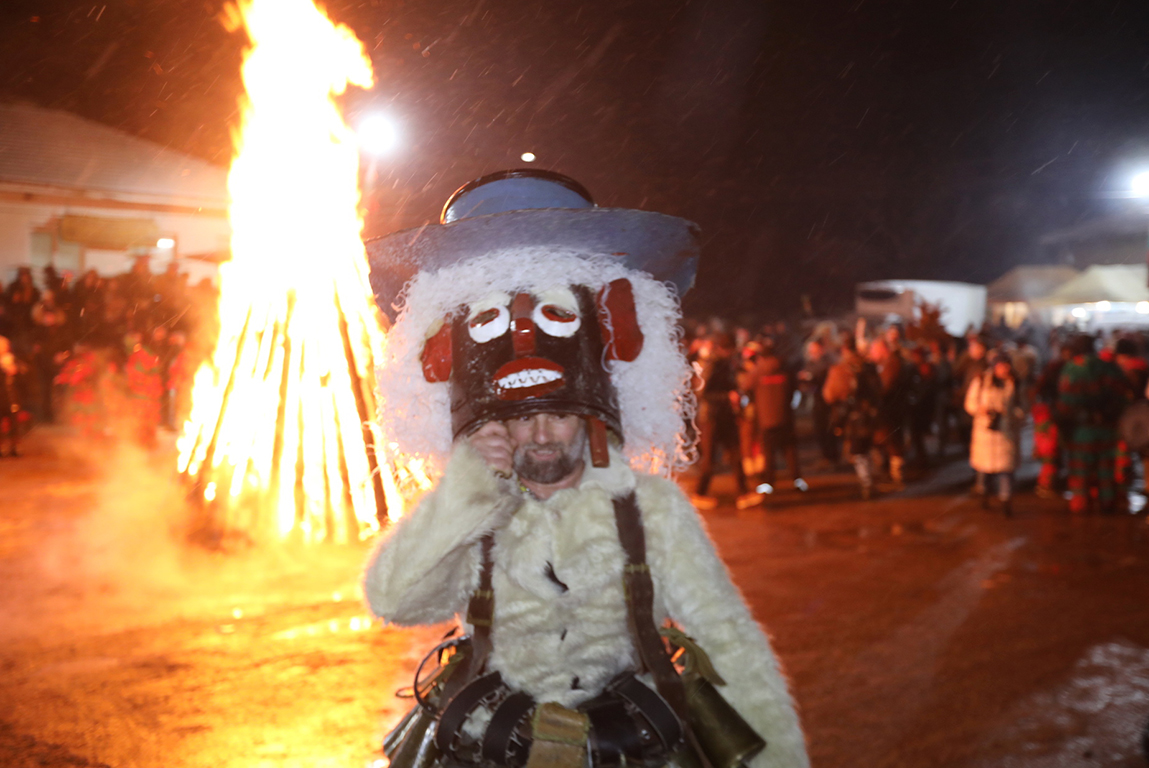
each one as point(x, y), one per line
point(377, 134)
point(1139, 185)
point(528, 157)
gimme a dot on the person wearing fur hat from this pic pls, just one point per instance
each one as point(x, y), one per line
point(534, 367)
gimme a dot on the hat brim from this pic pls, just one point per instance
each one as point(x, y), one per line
point(664, 246)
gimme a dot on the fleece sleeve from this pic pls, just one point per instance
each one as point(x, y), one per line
point(426, 569)
point(694, 587)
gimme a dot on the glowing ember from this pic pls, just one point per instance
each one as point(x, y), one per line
point(278, 441)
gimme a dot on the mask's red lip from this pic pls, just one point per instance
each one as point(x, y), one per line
point(528, 377)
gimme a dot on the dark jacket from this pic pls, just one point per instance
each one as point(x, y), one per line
point(773, 391)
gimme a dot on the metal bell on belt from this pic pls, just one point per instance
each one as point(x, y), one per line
point(726, 738)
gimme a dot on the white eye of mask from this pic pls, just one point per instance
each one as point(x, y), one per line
point(489, 319)
point(556, 313)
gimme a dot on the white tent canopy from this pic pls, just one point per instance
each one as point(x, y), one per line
point(1029, 282)
point(1115, 283)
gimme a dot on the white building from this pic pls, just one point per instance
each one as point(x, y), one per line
point(79, 195)
point(962, 304)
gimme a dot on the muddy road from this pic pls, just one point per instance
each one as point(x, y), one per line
point(917, 630)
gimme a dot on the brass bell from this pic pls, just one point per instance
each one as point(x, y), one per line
point(726, 738)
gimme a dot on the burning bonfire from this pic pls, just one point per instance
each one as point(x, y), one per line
point(279, 442)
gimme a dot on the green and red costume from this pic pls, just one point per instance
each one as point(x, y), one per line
point(1091, 395)
point(1047, 439)
point(144, 374)
point(1046, 445)
point(80, 375)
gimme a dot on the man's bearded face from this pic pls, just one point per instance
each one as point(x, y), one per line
point(548, 447)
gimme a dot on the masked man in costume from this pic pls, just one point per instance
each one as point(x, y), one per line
point(534, 366)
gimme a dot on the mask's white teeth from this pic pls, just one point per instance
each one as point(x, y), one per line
point(528, 378)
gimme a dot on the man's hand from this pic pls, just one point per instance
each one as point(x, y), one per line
point(493, 442)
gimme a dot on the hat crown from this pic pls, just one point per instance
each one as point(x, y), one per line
point(515, 190)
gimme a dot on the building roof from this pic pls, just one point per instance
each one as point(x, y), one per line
point(1104, 282)
point(1125, 224)
point(54, 148)
point(1029, 282)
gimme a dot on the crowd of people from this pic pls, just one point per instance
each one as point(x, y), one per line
point(114, 356)
point(902, 397)
point(108, 355)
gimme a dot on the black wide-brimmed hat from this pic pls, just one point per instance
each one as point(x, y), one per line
point(527, 208)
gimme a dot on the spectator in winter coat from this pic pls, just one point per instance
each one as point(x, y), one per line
point(993, 401)
point(772, 389)
point(923, 396)
point(22, 295)
point(1025, 368)
point(717, 423)
point(946, 415)
point(853, 390)
point(1126, 356)
point(813, 378)
point(969, 365)
point(893, 408)
point(7, 328)
point(51, 342)
point(88, 302)
point(1128, 359)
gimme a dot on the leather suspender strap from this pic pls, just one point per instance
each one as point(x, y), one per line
point(464, 689)
point(639, 589)
point(481, 609)
point(480, 614)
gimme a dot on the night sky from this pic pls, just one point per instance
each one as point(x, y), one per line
point(816, 143)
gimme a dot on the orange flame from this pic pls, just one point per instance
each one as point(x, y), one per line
point(278, 442)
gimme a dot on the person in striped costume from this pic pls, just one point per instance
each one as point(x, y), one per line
point(1091, 393)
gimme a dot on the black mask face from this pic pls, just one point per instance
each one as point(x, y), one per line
point(529, 354)
point(509, 356)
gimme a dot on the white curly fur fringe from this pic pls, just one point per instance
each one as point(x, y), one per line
point(654, 391)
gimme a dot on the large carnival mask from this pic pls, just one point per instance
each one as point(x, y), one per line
point(507, 356)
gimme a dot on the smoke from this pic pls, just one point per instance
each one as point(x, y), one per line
point(104, 546)
point(122, 550)
point(123, 643)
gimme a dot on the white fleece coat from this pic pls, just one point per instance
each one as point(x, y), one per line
point(566, 645)
point(993, 450)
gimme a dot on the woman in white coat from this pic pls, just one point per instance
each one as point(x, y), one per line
point(992, 401)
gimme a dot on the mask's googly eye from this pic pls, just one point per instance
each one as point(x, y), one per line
point(554, 320)
point(489, 324)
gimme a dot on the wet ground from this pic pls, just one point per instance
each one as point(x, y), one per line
point(917, 629)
